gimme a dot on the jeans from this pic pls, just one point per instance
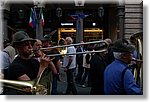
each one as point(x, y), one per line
point(85, 75)
point(79, 74)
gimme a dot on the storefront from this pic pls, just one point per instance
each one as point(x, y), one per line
point(89, 34)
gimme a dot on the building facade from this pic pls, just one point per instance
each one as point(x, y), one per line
point(88, 22)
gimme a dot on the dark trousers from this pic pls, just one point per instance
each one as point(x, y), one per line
point(70, 82)
point(96, 91)
point(79, 74)
point(54, 86)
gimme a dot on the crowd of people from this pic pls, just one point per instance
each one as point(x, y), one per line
point(107, 72)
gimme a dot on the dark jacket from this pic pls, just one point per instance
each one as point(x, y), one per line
point(97, 67)
point(79, 57)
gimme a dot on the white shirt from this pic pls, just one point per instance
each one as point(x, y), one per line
point(70, 49)
point(85, 65)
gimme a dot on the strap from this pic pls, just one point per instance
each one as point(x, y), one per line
point(122, 79)
point(6, 52)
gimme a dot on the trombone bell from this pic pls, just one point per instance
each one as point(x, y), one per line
point(62, 50)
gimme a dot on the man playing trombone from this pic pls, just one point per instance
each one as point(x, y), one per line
point(24, 68)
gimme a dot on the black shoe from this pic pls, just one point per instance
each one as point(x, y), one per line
point(77, 82)
point(67, 93)
point(88, 85)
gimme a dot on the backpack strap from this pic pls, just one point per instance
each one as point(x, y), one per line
point(6, 52)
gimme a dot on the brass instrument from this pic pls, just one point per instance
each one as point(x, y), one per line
point(137, 40)
point(24, 86)
point(34, 86)
point(103, 50)
point(138, 60)
point(62, 47)
point(62, 42)
point(77, 44)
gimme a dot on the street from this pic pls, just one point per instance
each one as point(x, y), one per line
point(62, 85)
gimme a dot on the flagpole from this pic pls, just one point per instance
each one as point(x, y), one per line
point(39, 27)
point(79, 27)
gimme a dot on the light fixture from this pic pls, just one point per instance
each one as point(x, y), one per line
point(63, 24)
point(21, 14)
point(94, 24)
point(79, 2)
point(59, 12)
point(100, 11)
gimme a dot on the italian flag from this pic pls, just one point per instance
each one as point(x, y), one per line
point(42, 18)
point(32, 21)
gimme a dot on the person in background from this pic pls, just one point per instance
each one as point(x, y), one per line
point(7, 57)
point(46, 78)
point(79, 61)
point(69, 65)
point(109, 56)
point(6, 43)
point(7, 54)
point(97, 67)
point(56, 77)
point(118, 79)
point(5, 62)
point(56, 61)
point(37, 53)
point(86, 65)
point(10, 50)
point(46, 41)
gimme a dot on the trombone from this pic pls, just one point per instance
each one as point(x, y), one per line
point(77, 44)
point(86, 52)
point(62, 48)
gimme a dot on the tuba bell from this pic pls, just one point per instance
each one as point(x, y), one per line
point(137, 40)
point(24, 87)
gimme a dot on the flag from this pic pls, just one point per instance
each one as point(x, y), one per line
point(75, 17)
point(32, 21)
point(42, 18)
point(83, 16)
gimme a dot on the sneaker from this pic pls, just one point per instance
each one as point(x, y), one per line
point(83, 86)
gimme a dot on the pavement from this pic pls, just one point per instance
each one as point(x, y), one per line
point(62, 85)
